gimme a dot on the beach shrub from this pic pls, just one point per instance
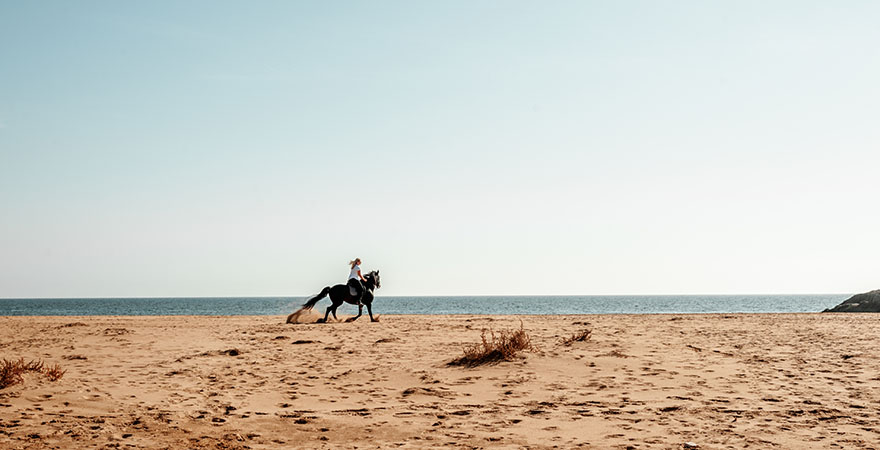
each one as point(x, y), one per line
point(53, 373)
point(11, 371)
point(494, 347)
point(581, 336)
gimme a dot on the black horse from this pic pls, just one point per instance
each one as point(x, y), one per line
point(341, 293)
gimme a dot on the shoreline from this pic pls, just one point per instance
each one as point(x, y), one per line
point(719, 380)
point(366, 318)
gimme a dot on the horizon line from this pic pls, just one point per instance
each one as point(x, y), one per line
point(428, 295)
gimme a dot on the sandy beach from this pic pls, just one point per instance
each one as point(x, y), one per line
point(641, 381)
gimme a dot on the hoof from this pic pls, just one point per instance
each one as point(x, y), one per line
point(375, 319)
point(320, 321)
point(350, 319)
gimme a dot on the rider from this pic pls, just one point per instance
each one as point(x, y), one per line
point(355, 279)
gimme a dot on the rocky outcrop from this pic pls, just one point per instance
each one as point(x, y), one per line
point(867, 302)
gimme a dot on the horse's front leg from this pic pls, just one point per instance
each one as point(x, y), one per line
point(360, 313)
point(370, 310)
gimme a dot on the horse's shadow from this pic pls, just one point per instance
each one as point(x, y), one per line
point(348, 320)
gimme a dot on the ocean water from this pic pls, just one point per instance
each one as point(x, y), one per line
point(589, 304)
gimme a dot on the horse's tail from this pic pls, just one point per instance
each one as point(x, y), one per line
point(314, 300)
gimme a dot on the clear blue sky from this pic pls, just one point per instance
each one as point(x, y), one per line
point(208, 148)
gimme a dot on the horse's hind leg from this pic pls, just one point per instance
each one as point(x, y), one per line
point(327, 314)
point(335, 305)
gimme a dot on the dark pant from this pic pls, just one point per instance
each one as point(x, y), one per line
point(358, 286)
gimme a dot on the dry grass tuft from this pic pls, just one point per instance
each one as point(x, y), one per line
point(493, 348)
point(54, 373)
point(581, 336)
point(11, 371)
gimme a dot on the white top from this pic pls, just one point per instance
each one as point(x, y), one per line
point(354, 273)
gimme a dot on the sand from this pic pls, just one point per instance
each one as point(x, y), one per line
point(642, 381)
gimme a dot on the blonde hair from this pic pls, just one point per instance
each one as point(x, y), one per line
point(353, 262)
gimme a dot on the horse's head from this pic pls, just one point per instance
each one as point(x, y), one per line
point(373, 278)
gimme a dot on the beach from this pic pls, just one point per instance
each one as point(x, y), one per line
point(714, 381)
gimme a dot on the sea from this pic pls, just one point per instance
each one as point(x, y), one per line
point(538, 305)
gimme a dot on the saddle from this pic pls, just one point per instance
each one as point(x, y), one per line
point(353, 291)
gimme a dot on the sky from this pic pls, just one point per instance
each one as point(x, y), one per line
point(224, 148)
